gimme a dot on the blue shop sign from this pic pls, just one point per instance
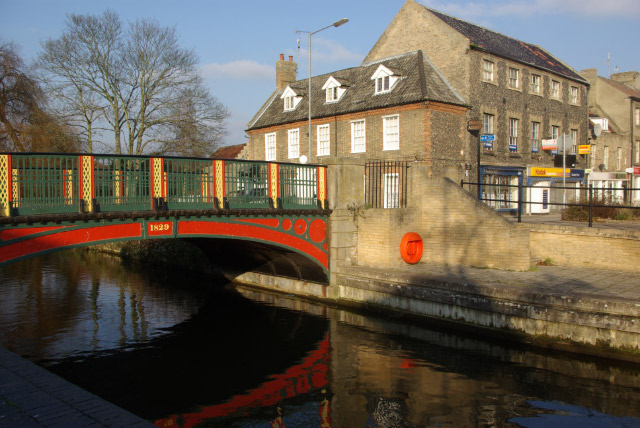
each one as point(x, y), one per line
point(487, 137)
point(576, 173)
point(487, 145)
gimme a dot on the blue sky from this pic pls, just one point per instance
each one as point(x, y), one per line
point(238, 42)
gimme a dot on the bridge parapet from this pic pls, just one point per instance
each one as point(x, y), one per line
point(45, 183)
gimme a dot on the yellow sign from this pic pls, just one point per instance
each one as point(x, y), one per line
point(584, 149)
point(547, 172)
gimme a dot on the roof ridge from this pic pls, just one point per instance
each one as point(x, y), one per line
point(478, 26)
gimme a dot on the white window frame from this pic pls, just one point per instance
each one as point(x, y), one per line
point(605, 157)
point(513, 134)
point(358, 136)
point(535, 137)
point(293, 143)
point(332, 94)
point(619, 159)
point(574, 95)
point(593, 155)
point(637, 151)
point(556, 90)
point(391, 190)
point(382, 85)
point(536, 84)
point(391, 132)
point(323, 140)
point(270, 147)
point(574, 138)
point(488, 68)
point(555, 132)
point(514, 78)
point(637, 116)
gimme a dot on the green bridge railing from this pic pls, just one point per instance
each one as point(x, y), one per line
point(43, 183)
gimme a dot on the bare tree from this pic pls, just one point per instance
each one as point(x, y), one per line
point(19, 96)
point(24, 125)
point(83, 68)
point(140, 82)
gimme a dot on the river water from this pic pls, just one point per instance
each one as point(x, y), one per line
point(189, 351)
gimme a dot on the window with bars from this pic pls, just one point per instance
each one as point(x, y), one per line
point(270, 146)
point(358, 136)
point(324, 140)
point(391, 132)
point(386, 184)
point(294, 143)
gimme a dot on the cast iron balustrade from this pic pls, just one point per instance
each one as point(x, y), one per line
point(42, 183)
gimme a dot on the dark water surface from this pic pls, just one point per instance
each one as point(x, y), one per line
point(185, 351)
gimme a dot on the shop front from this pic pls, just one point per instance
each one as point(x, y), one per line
point(501, 186)
point(545, 188)
point(609, 186)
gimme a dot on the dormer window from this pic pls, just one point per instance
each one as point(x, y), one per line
point(384, 80)
point(382, 84)
point(334, 89)
point(290, 98)
point(332, 94)
point(288, 103)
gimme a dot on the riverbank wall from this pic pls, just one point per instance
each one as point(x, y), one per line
point(478, 270)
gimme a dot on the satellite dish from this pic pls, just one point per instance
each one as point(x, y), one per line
point(601, 167)
point(597, 130)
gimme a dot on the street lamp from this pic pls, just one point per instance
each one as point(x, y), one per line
point(311, 33)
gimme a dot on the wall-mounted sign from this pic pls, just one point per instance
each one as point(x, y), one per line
point(487, 137)
point(550, 144)
point(535, 171)
point(488, 144)
point(513, 148)
point(636, 170)
point(474, 125)
point(584, 149)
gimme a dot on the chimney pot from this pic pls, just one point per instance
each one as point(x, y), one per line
point(290, 58)
point(281, 57)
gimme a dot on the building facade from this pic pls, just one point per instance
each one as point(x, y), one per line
point(525, 98)
point(614, 114)
point(396, 108)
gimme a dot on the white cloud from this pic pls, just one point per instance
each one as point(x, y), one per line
point(590, 8)
point(241, 70)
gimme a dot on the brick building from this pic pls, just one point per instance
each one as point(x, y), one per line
point(397, 108)
point(614, 106)
point(521, 93)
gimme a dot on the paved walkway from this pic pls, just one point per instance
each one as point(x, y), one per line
point(30, 396)
point(556, 220)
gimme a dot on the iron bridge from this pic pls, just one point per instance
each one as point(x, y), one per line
point(50, 202)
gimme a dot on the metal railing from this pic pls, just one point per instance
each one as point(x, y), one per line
point(386, 184)
point(590, 198)
point(42, 183)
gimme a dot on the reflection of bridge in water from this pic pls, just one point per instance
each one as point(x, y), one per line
point(308, 376)
point(50, 202)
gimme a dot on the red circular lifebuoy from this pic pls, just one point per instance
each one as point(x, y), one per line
point(411, 248)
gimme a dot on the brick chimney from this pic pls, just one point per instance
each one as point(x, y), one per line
point(285, 72)
point(631, 78)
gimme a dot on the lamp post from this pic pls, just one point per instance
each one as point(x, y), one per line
point(311, 33)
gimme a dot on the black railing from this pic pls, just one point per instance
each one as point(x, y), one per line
point(591, 198)
point(386, 184)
